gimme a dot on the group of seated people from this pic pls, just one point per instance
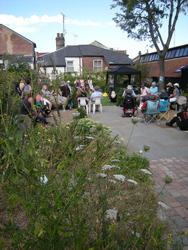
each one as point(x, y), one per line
point(46, 97)
point(172, 92)
point(88, 86)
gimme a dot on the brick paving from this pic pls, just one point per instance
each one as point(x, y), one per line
point(174, 195)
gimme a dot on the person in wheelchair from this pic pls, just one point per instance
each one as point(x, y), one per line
point(129, 102)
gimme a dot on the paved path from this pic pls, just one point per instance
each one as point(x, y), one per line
point(168, 155)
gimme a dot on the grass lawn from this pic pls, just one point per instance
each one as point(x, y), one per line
point(105, 102)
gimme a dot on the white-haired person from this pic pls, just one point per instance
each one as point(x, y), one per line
point(131, 88)
point(176, 93)
point(154, 89)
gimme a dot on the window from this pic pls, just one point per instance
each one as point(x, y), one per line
point(70, 66)
point(181, 52)
point(173, 53)
point(177, 52)
point(97, 65)
point(185, 52)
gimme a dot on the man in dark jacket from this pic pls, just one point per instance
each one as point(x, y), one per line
point(181, 119)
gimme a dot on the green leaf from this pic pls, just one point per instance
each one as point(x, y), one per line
point(36, 229)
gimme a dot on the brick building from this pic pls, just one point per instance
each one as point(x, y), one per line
point(12, 43)
point(176, 65)
point(83, 58)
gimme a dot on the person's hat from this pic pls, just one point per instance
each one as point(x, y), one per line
point(153, 83)
point(177, 84)
point(169, 84)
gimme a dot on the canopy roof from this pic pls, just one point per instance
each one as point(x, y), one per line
point(123, 70)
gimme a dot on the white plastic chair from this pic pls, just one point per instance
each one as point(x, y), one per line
point(97, 103)
point(82, 102)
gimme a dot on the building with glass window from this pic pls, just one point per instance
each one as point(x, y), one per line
point(176, 65)
point(77, 59)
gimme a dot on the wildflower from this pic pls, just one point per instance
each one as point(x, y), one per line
point(25, 135)
point(88, 179)
point(138, 216)
point(145, 171)
point(137, 234)
point(48, 139)
point(5, 114)
point(107, 167)
point(169, 236)
point(140, 151)
point(38, 133)
point(80, 147)
point(111, 214)
point(131, 181)
point(122, 139)
point(185, 232)
point(107, 127)
point(112, 181)
point(44, 179)
point(119, 177)
point(102, 175)
point(86, 193)
point(89, 137)
point(169, 242)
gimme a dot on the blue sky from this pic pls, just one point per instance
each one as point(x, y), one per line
point(85, 22)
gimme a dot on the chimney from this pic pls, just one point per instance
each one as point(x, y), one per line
point(60, 41)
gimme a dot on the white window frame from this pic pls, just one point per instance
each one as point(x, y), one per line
point(97, 69)
point(70, 68)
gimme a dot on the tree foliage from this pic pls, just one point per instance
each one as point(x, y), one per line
point(143, 20)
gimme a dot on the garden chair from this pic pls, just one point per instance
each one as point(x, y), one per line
point(83, 102)
point(164, 109)
point(97, 103)
point(152, 112)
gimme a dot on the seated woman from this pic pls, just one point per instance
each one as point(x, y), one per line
point(113, 96)
point(154, 89)
point(43, 109)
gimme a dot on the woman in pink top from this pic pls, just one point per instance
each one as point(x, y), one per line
point(143, 90)
point(82, 83)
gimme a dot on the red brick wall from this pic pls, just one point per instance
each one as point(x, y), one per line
point(13, 44)
point(87, 62)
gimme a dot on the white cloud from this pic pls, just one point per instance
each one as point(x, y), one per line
point(112, 23)
point(23, 29)
point(20, 21)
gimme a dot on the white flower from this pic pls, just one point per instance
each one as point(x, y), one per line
point(145, 171)
point(107, 167)
point(163, 205)
point(112, 181)
point(44, 179)
point(90, 138)
point(111, 214)
point(137, 234)
point(80, 147)
point(86, 193)
point(131, 181)
point(102, 175)
point(119, 177)
point(88, 179)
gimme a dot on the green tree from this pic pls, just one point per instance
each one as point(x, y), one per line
point(143, 20)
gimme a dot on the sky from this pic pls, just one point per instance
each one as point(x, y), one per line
point(84, 22)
